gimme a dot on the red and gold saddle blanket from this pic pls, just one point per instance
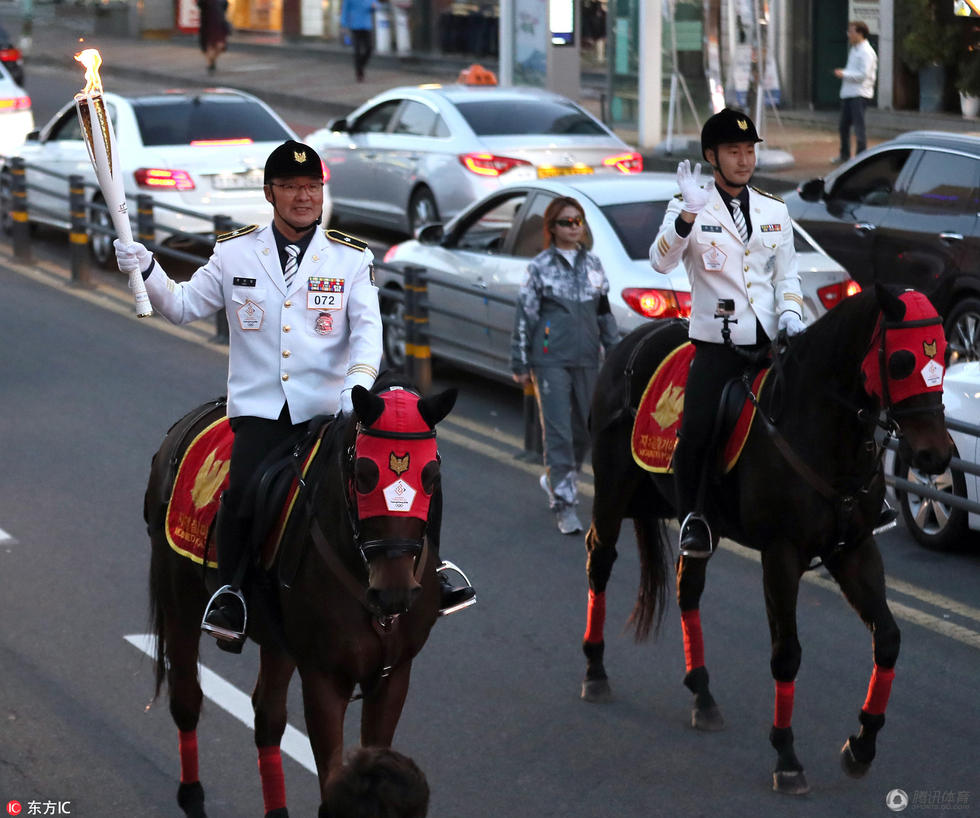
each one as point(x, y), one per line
point(661, 409)
point(201, 477)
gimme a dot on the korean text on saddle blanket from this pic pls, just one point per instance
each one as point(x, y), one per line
point(661, 411)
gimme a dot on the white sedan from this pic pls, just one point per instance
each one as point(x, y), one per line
point(16, 116)
point(201, 151)
point(933, 523)
point(483, 255)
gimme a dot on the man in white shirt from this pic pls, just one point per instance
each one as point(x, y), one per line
point(856, 88)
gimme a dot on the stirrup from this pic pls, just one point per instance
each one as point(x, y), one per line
point(446, 565)
point(695, 518)
point(887, 519)
point(226, 634)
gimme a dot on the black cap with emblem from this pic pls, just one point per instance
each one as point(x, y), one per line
point(292, 158)
point(727, 126)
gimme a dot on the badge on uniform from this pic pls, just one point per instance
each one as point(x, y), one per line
point(323, 324)
point(250, 316)
point(714, 260)
point(710, 228)
point(771, 228)
point(238, 281)
point(324, 293)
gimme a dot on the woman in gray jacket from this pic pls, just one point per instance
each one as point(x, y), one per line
point(563, 322)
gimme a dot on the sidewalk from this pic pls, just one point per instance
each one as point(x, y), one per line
point(318, 75)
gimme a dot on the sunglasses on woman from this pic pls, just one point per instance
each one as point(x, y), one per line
point(576, 222)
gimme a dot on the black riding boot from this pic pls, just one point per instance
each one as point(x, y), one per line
point(453, 597)
point(695, 534)
point(226, 617)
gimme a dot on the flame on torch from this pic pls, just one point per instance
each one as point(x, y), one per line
point(91, 59)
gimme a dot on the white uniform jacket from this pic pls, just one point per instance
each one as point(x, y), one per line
point(303, 346)
point(761, 277)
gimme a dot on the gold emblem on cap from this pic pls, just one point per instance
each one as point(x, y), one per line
point(299, 156)
point(742, 124)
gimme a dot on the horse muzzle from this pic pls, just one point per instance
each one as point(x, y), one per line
point(930, 459)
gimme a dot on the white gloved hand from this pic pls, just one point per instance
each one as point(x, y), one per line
point(695, 197)
point(346, 404)
point(132, 257)
point(791, 323)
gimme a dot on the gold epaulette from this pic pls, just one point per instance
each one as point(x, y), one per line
point(768, 194)
point(234, 234)
point(678, 195)
point(343, 238)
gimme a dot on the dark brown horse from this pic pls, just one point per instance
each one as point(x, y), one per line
point(808, 486)
point(349, 601)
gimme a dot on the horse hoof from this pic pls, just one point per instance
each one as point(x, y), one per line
point(190, 798)
point(790, 782)
point(708, 719)
point(597, 691)
point(850, 763)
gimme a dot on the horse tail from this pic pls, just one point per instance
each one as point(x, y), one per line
point(654, 548)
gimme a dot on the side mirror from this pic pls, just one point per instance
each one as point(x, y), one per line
point(430, 234)
point(33, 136)
point(338, 124)
point(811, 191)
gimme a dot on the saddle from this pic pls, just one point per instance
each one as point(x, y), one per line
point(201, 474)
point(661, 409)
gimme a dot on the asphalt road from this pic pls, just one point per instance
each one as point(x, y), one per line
point(493, 716)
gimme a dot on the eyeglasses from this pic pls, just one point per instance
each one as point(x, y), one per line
point(576, 222)
point(313, 188)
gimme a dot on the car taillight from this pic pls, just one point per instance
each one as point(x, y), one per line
point(831, 295)
point(15, 103)
point(220, 143)
point(326, 171)
point(625, 162)
point(159, 178)
point(9, 54)
point(486, 164)
point(391, 253)
point(652, 303)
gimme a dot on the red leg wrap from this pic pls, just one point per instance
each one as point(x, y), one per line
point(784, 704)
point(273, 781)
point(597, 616)
point(879, 690)
point(187, 745)
point(693, 641)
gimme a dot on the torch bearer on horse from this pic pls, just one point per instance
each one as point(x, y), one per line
point(101, 142)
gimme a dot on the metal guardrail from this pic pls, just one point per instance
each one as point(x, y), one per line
point(956, 464)
point(81, 206)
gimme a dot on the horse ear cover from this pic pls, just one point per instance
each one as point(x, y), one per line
point(891, 304)
point(367, 406)
point(435, 407)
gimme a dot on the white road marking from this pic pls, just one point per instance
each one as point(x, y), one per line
point(5, 538)
point(229, 698)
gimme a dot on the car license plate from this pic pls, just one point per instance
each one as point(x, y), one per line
point(249, 180)
point(547, 171)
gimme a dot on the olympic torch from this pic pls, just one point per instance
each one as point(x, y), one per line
point(101, 141)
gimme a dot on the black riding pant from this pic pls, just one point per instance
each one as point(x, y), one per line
point(254, 439)
point(713, 366)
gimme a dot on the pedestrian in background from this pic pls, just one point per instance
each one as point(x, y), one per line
point(856, 88)
point(377, 782)
point(356, 17)
point(213, 31)
point(562, 324)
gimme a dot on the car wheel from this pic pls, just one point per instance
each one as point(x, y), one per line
point(422, 210)
point(963, 331)
point(6, 203)
point(100, 244)
point(393, 324)
point(933, 523)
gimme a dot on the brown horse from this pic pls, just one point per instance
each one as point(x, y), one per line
point(349, 600)
point(808, 485)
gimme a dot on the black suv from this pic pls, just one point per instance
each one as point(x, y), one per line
point(906, 212)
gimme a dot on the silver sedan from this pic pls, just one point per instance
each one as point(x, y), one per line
point(485, 252)
point(416, 155)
